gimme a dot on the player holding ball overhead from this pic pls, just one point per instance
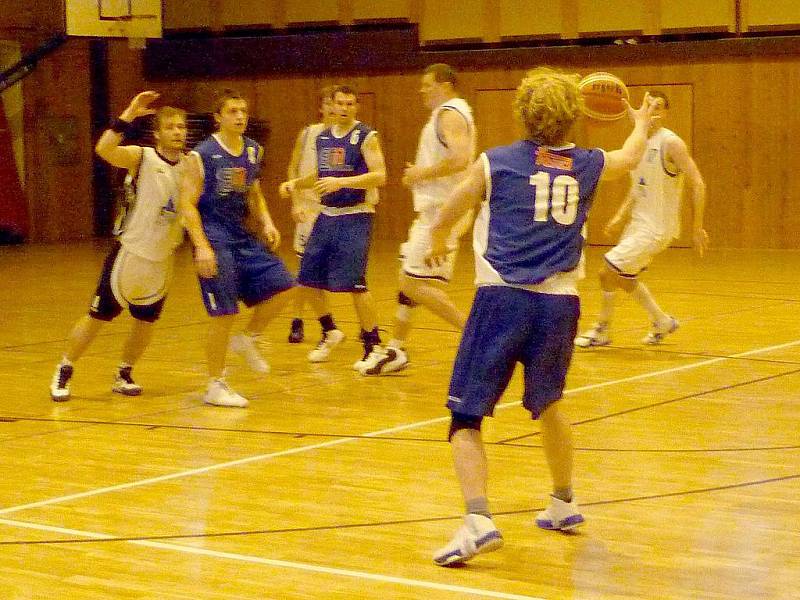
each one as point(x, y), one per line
point(533, 198)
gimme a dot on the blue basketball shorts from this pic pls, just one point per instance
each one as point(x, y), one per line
point(335, 256)
point(507, 326)
point(246, 271)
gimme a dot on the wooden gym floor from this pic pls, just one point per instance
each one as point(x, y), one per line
point(335, 486)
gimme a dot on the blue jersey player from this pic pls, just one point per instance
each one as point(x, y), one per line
point(220, 195)
point(534, 197)
point(350, 168)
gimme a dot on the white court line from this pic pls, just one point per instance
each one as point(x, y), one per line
point(382, 432)
point(316, 568)
point(282, 564)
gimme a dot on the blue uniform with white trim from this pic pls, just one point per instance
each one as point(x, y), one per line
point(335, 256)
point(246, 270)
point(528, 241)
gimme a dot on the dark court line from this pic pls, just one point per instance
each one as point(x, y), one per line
point(339, 527)
point(387, 438)
point(662, 403)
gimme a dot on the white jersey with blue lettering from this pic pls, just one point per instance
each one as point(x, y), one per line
point(656, 188)
point(432, 149)
point(152, 228)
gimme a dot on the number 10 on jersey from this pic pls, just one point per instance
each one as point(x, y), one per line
point(559, 199)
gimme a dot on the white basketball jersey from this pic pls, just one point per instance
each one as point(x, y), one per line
point(152, 228)
point(308, 164)
point(656, 190)
point(431, 150)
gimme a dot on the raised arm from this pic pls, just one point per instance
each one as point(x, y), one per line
point(621, 161)
point(457, 138)
point(108, 146)
point(678, 154)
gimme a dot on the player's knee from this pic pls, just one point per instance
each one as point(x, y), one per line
point(404, 300)
point(459, 421)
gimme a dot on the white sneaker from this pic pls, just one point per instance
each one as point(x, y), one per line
point(658, 333)
point(330, 339)
point(476, 536)
point(219, 394)
point(245, 346)
point(59, 386)
point(361, 363)
point(383, 361)
point(560, 515)
point(596, 336)
point(124, 383)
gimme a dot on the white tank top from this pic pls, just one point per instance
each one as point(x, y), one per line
point(307, 198)
point(656, 190)
point(152, 228)
point(431, 150)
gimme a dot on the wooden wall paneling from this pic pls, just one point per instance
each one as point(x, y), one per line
point(526, 19)
point(188, 14)
point(247, 13)
point(443, 20)
point(494, 120)
point(399, 117)
point(722, 146)
point(768, 15)
point(300, 12)
point(611, 17)
point(58, 145)
point(739, 126)
point(693, 16)
point(381, 10)
point(770, 189)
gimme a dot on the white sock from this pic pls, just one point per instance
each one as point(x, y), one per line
point(643, 296)
point(65, 362)
point(606, 308)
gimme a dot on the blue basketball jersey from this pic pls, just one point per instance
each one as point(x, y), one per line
point(538, 198)
point(228, 178)
point(342, 157)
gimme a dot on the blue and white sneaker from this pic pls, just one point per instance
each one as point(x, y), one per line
point(476, 536)
point(560, 515)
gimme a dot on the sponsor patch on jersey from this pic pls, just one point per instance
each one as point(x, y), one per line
point(333, 159)
point(233, 179)
point(545, 158)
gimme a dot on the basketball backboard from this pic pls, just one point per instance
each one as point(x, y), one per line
point(114, 18)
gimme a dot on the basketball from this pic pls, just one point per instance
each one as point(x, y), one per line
point(604, 96)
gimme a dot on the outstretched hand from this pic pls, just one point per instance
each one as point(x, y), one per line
point(140, 106)
point(645, 111)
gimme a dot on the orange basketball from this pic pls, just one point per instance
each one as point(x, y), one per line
point(603, 96)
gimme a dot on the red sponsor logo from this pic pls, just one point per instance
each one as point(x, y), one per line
point(546, 158)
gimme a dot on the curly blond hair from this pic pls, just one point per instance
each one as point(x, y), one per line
point(547, 104)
